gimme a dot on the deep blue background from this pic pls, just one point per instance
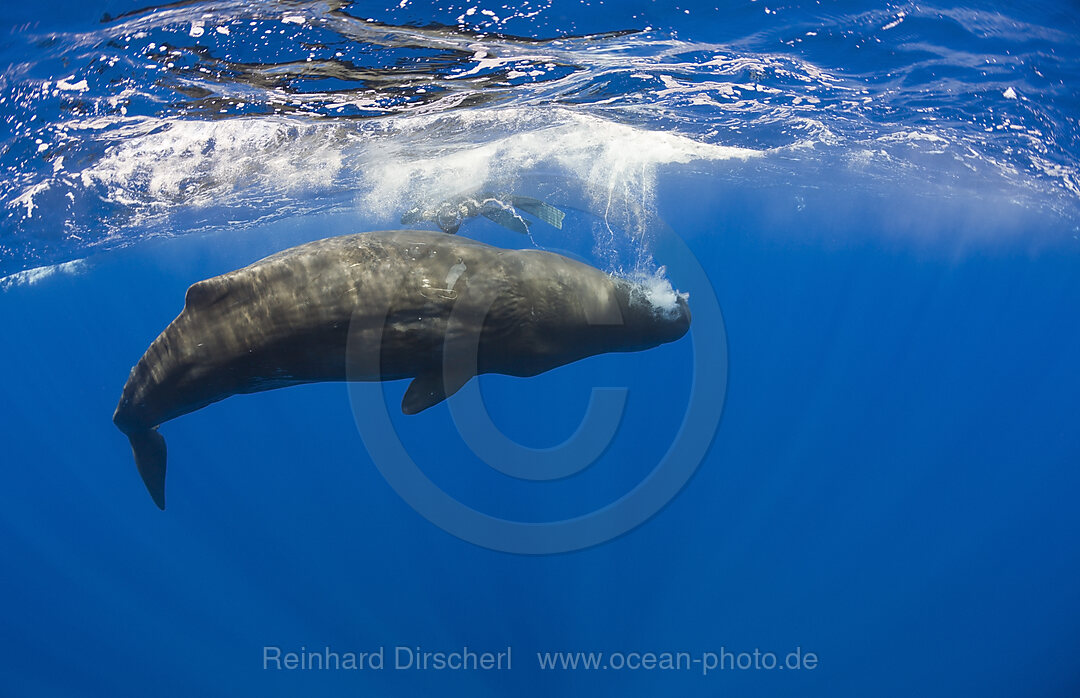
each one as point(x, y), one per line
point(893, 486)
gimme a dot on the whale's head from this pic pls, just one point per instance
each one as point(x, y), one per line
point(552, 310)
point(652, 313)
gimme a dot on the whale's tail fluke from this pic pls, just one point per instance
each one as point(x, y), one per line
point(148, 447)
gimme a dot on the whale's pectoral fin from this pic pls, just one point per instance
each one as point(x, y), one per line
point(148, 446)
point(429, 389)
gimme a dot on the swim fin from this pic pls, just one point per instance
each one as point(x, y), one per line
point(544, 211)
point(508, 220)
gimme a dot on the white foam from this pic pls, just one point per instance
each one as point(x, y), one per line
point(896, 22)
point(659, 293)
point(194, 163)
point(26, 199)
point(614, 165)
point(158, 167)
point(915, 135)
point(29, 277)
point(600, 153)
point(66, 84)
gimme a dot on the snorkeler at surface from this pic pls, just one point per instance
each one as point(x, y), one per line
point(500, 208)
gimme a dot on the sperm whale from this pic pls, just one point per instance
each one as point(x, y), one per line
point(378, 306)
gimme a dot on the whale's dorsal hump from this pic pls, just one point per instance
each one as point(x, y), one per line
point(205, 293)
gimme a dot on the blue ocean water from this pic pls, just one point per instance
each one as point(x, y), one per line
point(884, 201)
